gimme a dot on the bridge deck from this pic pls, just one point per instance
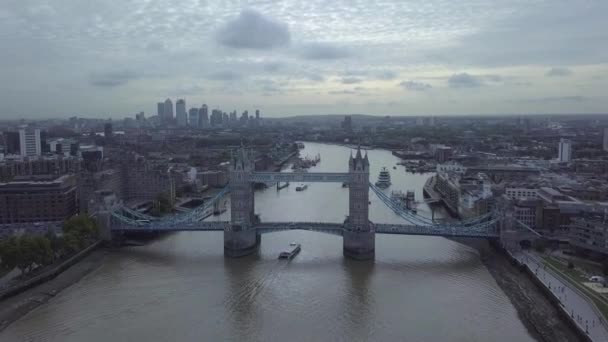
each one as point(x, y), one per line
point(316, 177)
point(329, 228)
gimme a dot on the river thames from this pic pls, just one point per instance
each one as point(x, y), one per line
point(181, 288)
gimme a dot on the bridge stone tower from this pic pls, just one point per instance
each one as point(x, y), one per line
point(240, 238)
point(359, 236)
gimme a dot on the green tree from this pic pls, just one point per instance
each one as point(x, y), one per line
point(9, 253)
point(163, 204)
point(26, 252)
point(82, 226)
point(43, 254)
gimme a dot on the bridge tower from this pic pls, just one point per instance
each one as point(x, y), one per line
point(359, 236)
point(240, 238)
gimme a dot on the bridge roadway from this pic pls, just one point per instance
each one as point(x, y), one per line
point(322, 227)
point(316, 177)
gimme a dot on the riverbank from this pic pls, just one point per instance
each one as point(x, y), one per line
point(539, 315)
point(15, 307)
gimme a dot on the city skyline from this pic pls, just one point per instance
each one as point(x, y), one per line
point(393, 58)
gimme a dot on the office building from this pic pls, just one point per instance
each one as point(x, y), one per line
point(193, 117)
point(347, 124)
point(160, 110)
point(565, 151)
point(168, 112)
point(203, 117)
point(107, 130)
point(180, 113)
point(11, 143)
point(29, 142)
point(39, 198)
point(216, 118)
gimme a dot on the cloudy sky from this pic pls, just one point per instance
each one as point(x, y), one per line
point(107, 58)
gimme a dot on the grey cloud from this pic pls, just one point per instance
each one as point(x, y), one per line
point(112, 78)
point(556, 99)
point(464, 80)
point(315, 77)
point(341, 92)
point(324, 51)
point(155, 46)
point(539, 34)
point(416, 86)
point(273, 66)
point(226, 75)
point(558, 72)
point(351, 80)
point(252, 30)
point(387, 75)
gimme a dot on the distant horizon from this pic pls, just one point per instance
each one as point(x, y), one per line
point(335, 115)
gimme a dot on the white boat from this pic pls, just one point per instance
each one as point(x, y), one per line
point(384, 179)
point(294, 249)
point(302, 187)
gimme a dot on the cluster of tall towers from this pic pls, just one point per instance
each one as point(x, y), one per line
point(201, 118)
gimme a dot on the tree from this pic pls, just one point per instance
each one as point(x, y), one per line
point(26, 252)
point(9, 252)
point(163, 203)
point(82, 225)
point(42, 253)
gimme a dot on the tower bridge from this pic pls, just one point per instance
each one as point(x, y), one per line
point(242, 234)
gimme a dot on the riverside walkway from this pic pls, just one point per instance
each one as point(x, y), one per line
point(577, 305)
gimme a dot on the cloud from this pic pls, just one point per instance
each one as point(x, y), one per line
point(324, 51)
point(416, 86)
point(558, 72)
point(557, 99)
point(252, 30)
point(387, 75)
point(315, 77)
point(226, 75)
point(273, 66)
point(112, 78)
point(464, 80)
point(351, 80)
point(342, 92)
point(155, 46)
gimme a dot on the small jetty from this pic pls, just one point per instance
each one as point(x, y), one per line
point(292, 251)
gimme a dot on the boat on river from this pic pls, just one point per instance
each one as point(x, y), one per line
point(384, 179)
point(294, 249)
point(301, 187)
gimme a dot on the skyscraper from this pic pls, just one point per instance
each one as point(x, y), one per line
point(257, 114)
point(565, 151)
point(29, 142)
point(203, 117)
point(606, 139)
point(107, 131)
point(168, 112)
point(160, 110)
point(193, 117)
point(11, 142)
point(180, 113)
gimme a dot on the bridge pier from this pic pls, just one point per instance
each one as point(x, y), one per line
point(359, 245)
point(241, 243)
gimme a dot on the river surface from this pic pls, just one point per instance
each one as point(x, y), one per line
point(180, 288)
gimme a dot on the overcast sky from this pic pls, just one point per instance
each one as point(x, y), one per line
point(109, 58)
